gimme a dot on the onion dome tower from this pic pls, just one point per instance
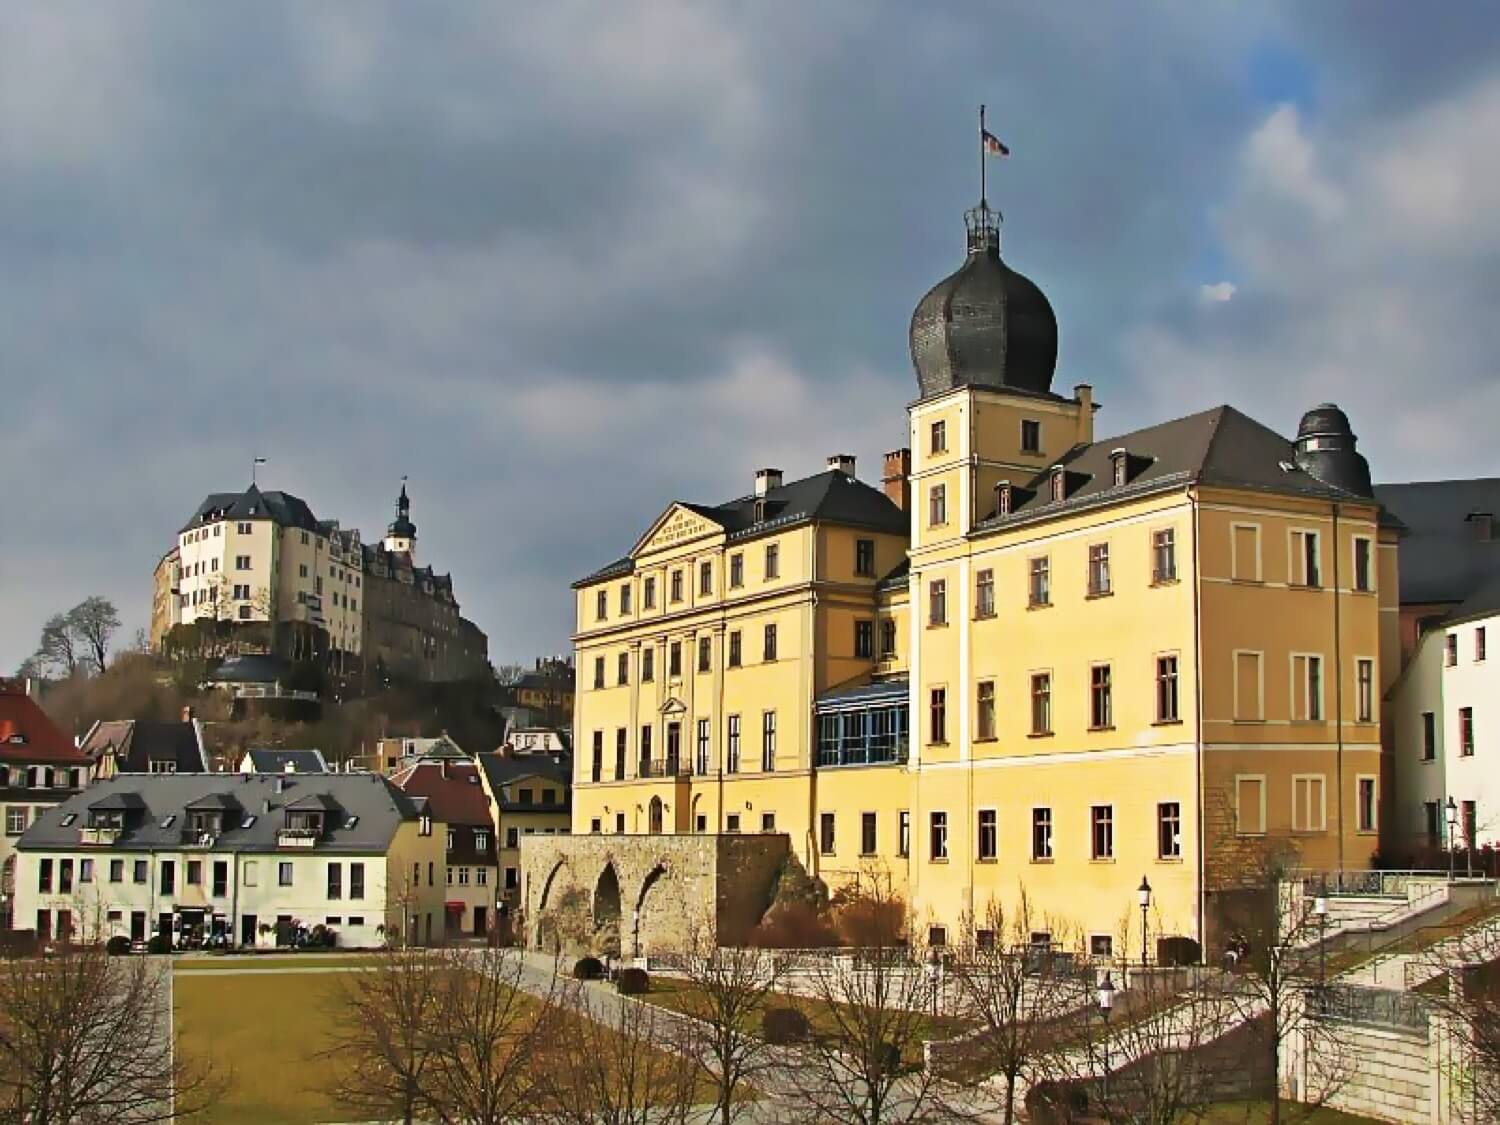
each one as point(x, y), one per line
point(1327, 449)
point(401, 535)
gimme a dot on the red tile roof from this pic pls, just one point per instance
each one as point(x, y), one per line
point(28, 735)
point(454, 798)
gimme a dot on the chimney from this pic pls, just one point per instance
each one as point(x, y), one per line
point(843, 462)
point(443, 765)
point(265, 806)
point(187, 714)
point(1083, 394)
point(766, 479)
point(896, 482)
point(280, 785)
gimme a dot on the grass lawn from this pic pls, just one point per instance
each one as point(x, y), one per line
point(1292, 1113)
point(678, 995)
point(273, 962)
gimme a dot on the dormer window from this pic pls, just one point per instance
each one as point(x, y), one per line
point(760, 511)
point(1059, 484)
point(206, 823)
point(1004, 497)
point(1120, 460)
point(106, 818)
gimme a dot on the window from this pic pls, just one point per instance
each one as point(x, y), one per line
point(1366, 803)
point(598, 671)
point(903, 832)
point(601, 605)
point(335, 880)
point(1479, 643)
point(1364, 696)
point(1040, 592)
point(768, 822)
point(1098, 569)
point(1041, 835)
point(648, 664)
point(648, 593)
point(700, 763)
point(984, 711)
point(989, 835)
point(117, 871)
point(1041, 703)
point(1430, 819)
point(984, 594)
point(1450, 651)
point(1101, 698)
point(139, 874)
point(1429, 736)
point(622, 668)
point(481, 838)
point(195, 872)
point(937, 732)
point(768, 741)
point(864, 557)
point(1363, 577)
point(596, 759)
point(736, 654)
point(1164, 556)
point(85, 870)
point(1248, 683)
point(1469, 823)
point(241, 562)
point(15, 819)
point(732, 765)
point(1308, 807)
point(645, 766)
point(625, 598)
point(1102, 822)
point(938, 824)
point(1244, 552)
point(939, 438)
point(512, 837)
point(937, 505)
point(677, 585)
point(674, 659)
point(773, 560)
point(867, 835)
point(826, 838)
point(463, 876)
point(1306, 570)
point(1466, 732)
point(596, 826)
point(705, 654)
point(1307, 687)
point(1166, 689)
point(356, 880)
point(864, 640)
point(705, 579)
point(168, 877)
point(284, 874)
point(768, 646)
point(1031, 436)
point(44, 876)
point(737, 569)
point(1169, 830)
point(937, 602)
point(732, 822)
point(937, 936)
point(887, 639)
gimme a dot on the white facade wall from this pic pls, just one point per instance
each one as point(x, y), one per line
point(1419, 781)
point(1473, 682)
point(209, 561)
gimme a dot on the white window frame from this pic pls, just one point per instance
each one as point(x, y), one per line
point(1322, 811)
point(1299, 691)
point(1374, 827)
point(1374, 714)
point(1239, 780)
point(1234, 560)
point(1260, 685)
point(1296, 557)
point(1354, 563)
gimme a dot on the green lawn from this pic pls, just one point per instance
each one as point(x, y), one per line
point(1292, 1113)
point(274, 962)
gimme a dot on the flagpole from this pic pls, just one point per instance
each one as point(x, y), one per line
point(983, 186)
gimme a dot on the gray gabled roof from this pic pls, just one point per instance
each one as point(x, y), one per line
point(138, 744)
point(277, 761)
point(253, 504)
point(501, 772)
point(1442, 558)
point(372, 810)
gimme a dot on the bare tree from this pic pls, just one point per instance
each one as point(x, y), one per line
point(57, 651)
point(87, 1037)
point(381, 1045)
point(94, 621)
point(1025, 996)
point(612, 1064)
point(727, 992)
point(873, 1008)
point(1467, 1000)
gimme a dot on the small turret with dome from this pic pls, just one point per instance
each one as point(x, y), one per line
point(401, 535)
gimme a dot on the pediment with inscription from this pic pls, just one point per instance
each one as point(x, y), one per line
point(677, 525)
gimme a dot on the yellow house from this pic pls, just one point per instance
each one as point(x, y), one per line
point(1035, 660)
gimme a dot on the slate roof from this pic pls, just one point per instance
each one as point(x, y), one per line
point(28, 736)
point(1483, 602)
point(371, 810)
point(502, 772)
point(828, 497)
point(253, 504)
point(456, 797)
point(865, 695)
point(136, 743)
point(1442, 560)
point(277, 761)
point(1214, 447)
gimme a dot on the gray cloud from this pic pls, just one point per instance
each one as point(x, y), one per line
point(563, 262)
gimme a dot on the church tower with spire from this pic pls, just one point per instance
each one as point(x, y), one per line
point(401, 535)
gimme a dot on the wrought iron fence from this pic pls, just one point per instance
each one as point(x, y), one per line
point(1359, 1004)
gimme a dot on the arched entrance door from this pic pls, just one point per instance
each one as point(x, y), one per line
point(607, 911)
point(654, 816)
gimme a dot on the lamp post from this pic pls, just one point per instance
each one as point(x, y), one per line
point(635, 933)
point(1320, 909)
point(934, 971)
point(1452, 808)
point(1144, 891)
point(1105, 991)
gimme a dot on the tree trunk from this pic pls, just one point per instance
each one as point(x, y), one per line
point(1010, 1099)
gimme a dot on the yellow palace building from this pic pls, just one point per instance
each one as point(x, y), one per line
point(1029, 659)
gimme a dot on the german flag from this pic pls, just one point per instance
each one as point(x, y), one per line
point(992, 145)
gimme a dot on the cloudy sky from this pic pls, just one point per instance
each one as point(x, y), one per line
point(561, 263)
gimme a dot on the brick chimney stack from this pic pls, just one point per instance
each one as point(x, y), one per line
point(896, 482)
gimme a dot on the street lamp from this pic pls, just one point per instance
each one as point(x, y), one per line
point(1105, 991)
point(635, 933)
point(1452, 824)
point(1144, 891)
point(1320, 910)
point(934, 971)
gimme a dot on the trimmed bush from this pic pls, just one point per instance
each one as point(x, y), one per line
point(117, 945)
point(634, 981)
point(781, 1026)
point(159, 943)
point(588, 968)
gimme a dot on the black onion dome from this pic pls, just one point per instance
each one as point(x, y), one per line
point(1327, 449)
point(985, 324)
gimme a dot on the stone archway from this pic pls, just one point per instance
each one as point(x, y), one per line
point(654, 817)
point(607, 910)
point(639, 917)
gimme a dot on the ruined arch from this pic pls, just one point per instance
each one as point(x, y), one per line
point(547, 886)
point(640, 918)
point(607, 909)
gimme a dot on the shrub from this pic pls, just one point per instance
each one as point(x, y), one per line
point(633, 981)
point(781, 1026)
point(588, 968)
point(117, 945)
point(159, 943)
point(793, 925)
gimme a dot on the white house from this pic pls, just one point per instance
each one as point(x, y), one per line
point(236, 854)
point(1447, 736)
